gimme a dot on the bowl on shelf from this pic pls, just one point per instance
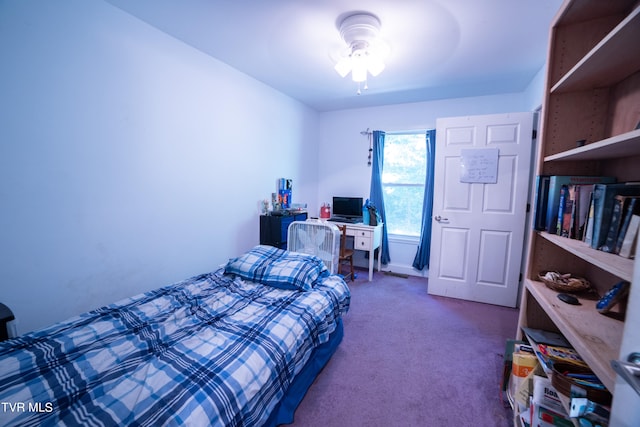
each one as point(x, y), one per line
point(564, 282)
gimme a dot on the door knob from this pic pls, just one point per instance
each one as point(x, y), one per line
point(629, 371)
point(439, 218)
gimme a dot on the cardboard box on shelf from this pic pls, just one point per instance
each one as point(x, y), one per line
point(547, 408)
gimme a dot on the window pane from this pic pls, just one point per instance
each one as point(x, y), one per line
point(403, 209)
point(404, 159)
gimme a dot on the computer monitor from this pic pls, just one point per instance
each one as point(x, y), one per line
point(347, 207)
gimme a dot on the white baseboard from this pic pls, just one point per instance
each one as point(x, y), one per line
point(405, 269)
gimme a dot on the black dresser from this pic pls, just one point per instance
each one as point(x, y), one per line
point(273, 228)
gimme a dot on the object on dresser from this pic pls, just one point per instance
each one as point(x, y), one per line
point(564, 282)
point(372, 213)
point(285, 187)
point(615, 295)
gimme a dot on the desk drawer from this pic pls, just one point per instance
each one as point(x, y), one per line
point(362, 243)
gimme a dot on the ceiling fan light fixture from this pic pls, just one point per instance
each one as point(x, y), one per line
point(375, 66)
point(358, 68)
point(343, 66)
point(360, 32)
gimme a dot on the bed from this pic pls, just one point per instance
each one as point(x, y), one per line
point(236, 346)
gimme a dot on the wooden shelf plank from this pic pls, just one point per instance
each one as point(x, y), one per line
point(614, 264)
point(606, 64)
point(627, 144)
point(596, 337)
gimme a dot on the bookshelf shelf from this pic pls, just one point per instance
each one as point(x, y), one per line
point(595, 336)
point(604, 65)
point(627, 144)
point(614, 264)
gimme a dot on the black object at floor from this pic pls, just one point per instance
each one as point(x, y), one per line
point(6, 316)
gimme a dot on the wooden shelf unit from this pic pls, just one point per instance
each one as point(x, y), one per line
point(592, 93)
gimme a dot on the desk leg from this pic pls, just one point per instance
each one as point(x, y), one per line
point(371, 257)
point(379, 256)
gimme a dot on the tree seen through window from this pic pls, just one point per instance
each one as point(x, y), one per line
point(403, 177)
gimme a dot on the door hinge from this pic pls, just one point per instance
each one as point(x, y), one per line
point(520, 278)
point(528, 207)
point(534, 134)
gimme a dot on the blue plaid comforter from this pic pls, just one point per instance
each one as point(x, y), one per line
point(211, 350)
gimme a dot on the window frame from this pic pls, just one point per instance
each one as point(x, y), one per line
point(395, 235)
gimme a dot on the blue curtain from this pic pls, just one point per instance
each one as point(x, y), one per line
point(375, 194)
point(424, 247)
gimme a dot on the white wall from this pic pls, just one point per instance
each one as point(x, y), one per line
point(535, 90)
point(128, 160)
point(343, 150)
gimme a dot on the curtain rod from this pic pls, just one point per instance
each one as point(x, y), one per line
point(395, 132)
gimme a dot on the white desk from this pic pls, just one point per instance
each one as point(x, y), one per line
point(365, 238)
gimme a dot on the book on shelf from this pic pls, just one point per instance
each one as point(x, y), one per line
point(615, 223)
point(545, 337)
point(575, 210)
point(511, 347)
point(564, 212)
point(631, 208)
point(588, 231)
point(628, 247)
point(583, 201)
point(572, 210)
point(556, 354)
point(524, 361)
point(540, 202)
point(553, 194)
point(603, 203)
point(550, 347)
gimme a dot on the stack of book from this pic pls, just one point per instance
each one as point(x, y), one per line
point(551, 346)
point(595, 209)
point(537, 400)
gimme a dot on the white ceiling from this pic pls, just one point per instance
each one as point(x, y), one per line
point(439, 48)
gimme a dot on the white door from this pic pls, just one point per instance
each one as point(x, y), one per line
point(478, 228)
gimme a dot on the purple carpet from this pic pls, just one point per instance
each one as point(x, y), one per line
point(412, 359)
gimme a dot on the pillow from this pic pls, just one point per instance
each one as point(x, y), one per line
point(278, 268)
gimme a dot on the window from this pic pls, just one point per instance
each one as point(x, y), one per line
point(403, 176)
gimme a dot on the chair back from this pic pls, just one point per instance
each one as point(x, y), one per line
point(343, 239)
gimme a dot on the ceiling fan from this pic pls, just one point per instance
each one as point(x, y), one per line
point(365, 51)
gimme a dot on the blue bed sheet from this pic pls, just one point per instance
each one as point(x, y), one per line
point(211, 350)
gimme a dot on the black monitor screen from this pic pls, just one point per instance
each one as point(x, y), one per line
point(348, 207)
